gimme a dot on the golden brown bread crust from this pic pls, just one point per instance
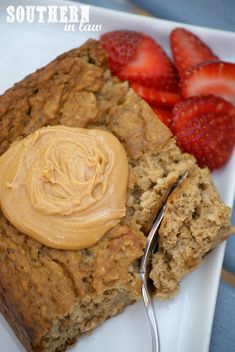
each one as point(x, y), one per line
point(76, 90)
point(51, 296)
point(41, 284)
point(42, 98)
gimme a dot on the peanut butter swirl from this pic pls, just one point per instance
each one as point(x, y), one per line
point(65, 187)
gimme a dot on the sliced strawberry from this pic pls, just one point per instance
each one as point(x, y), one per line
point(188, 50)
point(137, 57)
point(163, 114)
point(156, 97)
point(216, 78)
point(121, 47)
point(205, 127)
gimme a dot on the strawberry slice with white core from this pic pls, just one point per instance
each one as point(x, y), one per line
point(156, 97)
point(217, 78)
point(136, 57)
point(189, 50)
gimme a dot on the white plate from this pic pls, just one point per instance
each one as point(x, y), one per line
point(184, 322)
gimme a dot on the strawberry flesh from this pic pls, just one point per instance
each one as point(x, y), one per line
point(137, 57)
point(188, 50)
point(205, 127)
point(156, 97)
point(163, 115)
point(216, 78)
point(121, 47)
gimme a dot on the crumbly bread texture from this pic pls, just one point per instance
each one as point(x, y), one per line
point(50, 297)
point(195, 221)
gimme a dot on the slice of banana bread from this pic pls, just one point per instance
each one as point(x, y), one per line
point(51, 297)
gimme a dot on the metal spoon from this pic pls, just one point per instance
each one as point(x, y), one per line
point(145, 269)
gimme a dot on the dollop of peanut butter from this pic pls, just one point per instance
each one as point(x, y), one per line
point(65, 187)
